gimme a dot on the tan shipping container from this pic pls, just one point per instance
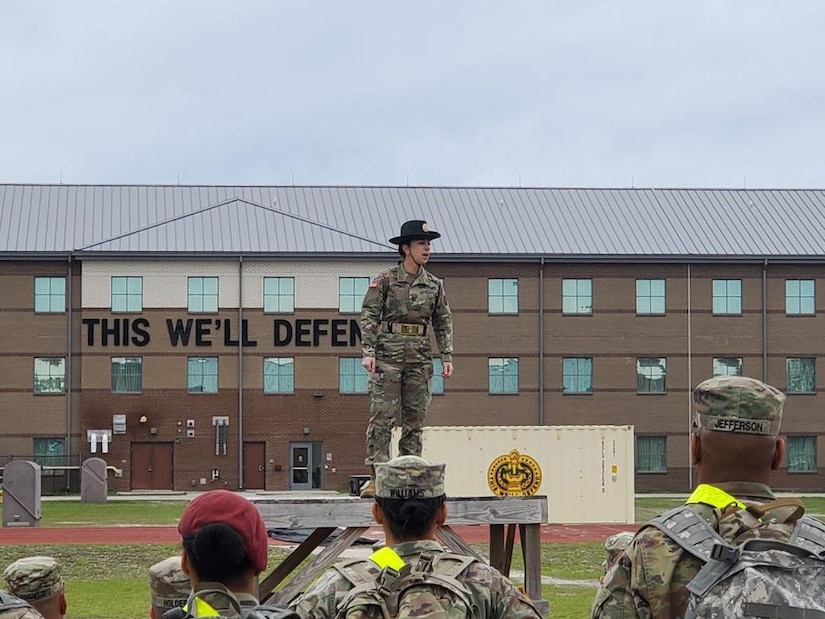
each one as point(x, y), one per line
point(587, 472)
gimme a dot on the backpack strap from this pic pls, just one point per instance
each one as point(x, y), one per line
point(267, 611)
point(687, 528)
point(357, 571)
point(809, 533)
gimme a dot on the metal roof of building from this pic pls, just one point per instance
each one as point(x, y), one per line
point(504, 222)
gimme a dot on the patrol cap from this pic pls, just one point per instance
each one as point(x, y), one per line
point(225, 507)
point(738, 404)
point(409, 477)
point(34, 578)
point(614, 546)
point(169, 585)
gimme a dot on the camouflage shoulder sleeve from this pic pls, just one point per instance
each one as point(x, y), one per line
point(443, 324)
point(618, 595)
point(495, 596)
point(321, 600)
point(372, 310)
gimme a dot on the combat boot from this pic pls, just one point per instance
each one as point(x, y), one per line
point(368, 489)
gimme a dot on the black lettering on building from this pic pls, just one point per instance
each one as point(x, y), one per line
point(202, 330)
point(141, 335)
point(179, 331)
point(302, 332)
point(283, 332)
point(90, 324)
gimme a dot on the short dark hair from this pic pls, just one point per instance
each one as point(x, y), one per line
point(216, 552)
point(410, 519)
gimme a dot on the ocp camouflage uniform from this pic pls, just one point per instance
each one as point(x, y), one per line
point(400, 386)
point(490, 592)
point(650, 579)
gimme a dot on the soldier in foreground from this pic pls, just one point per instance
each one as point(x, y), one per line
point(400, 306)
point(413, 575)
point(169, 586)
point(735, 444)
point(38, 581)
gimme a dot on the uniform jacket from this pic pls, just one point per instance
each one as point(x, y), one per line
point(492, 593)
point(397, 297)
point(649, 580)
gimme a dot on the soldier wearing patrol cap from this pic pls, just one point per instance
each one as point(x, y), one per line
point(410, 506)
point(169, 586)
point(402, 305)
point(38, 581)
point(735, 445)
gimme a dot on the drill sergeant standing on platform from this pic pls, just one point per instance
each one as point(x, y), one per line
point(398, 309)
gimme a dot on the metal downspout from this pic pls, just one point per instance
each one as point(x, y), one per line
point(690, 382)
point(541, 342)
point(69, 373)
point(240, 372)
point(765, 321)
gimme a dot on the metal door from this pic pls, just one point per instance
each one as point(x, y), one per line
point(300, 461)
point(254, 465)
point(152, 466)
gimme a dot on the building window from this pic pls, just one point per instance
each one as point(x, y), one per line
point(650, 375)
point(351, 291)
point(127, 374)
point(502, 296)
point(801, 375)
point(801, 454)
point(279, 295)
point(437, 381)
point(651, 454)
point(650, 296)
point(203, 375)
point(727, 366)
point(279, 375)
point(503, 375)
point(127, 294)
point(352, 377)
point(577, 296)
point(50, 375)
point(49, 295)
point(727, 296)
point(577, 375)
point(800, 296)
point(203, 294)
point(49, 452)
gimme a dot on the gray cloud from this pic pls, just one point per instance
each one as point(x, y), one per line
point(460, 92)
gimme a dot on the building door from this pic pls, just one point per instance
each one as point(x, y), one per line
point(300, 461)
point(254, 466)
point(152, 466)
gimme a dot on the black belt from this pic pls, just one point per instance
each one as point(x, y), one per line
point(404, 328)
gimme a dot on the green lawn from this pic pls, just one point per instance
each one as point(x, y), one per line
point(110, 581)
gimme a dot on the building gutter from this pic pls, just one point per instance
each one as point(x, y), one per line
point(541, 343)
point(690, 380)
point(240, 372)
point(69, 361)
point(765, 321)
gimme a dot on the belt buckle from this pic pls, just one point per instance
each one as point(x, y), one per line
point(409, 329)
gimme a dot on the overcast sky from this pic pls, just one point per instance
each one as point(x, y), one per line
point(656, 93)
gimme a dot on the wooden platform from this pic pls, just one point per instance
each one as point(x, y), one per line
point(503, 515)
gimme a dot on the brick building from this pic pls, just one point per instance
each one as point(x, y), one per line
point(130, 316)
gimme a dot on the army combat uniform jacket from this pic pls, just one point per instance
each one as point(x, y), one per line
point(650, 579)
point(491, 593)
point(394, 299)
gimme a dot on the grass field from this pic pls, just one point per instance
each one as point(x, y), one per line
point(110, 581)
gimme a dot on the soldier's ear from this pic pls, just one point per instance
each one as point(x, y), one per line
point(63, 604)
point(377, 514)
point(184, 563)
point(778, 454)
point(441, 514)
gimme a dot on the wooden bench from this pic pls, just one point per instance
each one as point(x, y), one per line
point(503, 515)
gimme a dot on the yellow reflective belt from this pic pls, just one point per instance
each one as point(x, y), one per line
point(387, 557)
point(713, 496)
